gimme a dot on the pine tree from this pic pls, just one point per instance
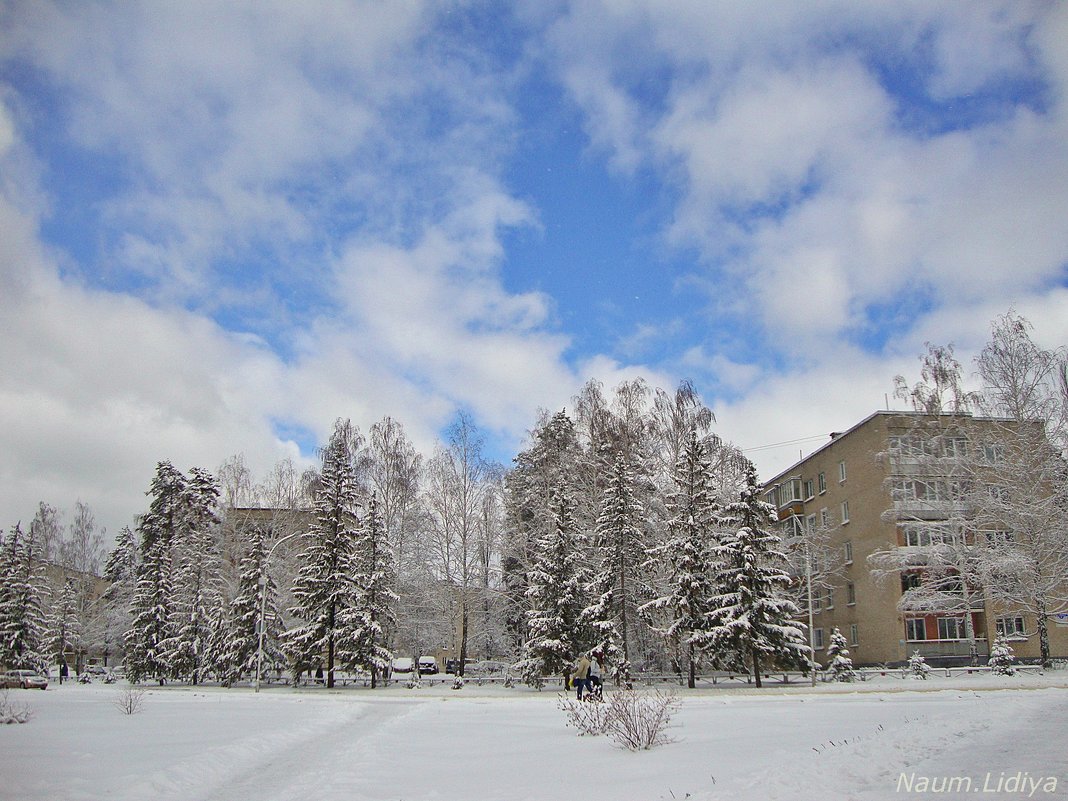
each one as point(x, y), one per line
point(238, 642)
point(196, 591)
point(918, 667)
point(752, 619)
point(371, 616)
point(121, 572)
point(64, 629)
point(1001, 658)
point(839, 664)
point(323, 589)
point(152, 604)
point(619, 583)
point(693, 531)
point(555, 635)
point(22, 622)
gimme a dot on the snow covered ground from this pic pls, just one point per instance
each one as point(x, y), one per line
point(885, 739)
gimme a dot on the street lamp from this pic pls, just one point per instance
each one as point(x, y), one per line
point(263, 603)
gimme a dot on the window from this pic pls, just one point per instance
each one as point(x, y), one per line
point(825, 517)
point(830, 598)
point(1010, 627)
point(999, 539)
point(841, 472)
point(822, 482)
point(950, 628)
point(817, 603)
point(916, 629)
point(810, 523)
point(925, 535)
point(955, 447)
point(817, 639)
point(993, 452)
point(810, 491)
point(910, 581)
point(848, 547)
point(845, 512)
point(851, 593)
point(854, 634)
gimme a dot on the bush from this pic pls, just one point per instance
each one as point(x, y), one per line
point(130, 700)
point(12, 711)
point(638, 721)
point(633, 720)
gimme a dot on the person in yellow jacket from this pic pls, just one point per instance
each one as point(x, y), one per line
point(580, 675)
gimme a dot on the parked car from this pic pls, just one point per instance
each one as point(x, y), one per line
point(428, 665)
point(402, 665)
point(453, 665)
point(24, 679)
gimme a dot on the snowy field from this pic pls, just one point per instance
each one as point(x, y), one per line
point(879, 740)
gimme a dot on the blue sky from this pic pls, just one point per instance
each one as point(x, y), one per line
point(223, 225)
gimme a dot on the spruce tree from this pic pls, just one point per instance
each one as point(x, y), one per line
point(751, 619)
point(371, 616)
point(918, 667)
point(64, 629)
point(196, 577)
point(555, 635)
point(692, 534)
point(1001, 658)
point(22, 624)
point(152, 604)
point(323, 589)
point(238, 644)
point(839, 663)
point(619, 582)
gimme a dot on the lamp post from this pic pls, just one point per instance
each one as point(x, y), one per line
point(811, 620)
point(263, 604)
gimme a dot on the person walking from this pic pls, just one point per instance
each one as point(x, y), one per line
point(593, 680)
point(580, 676)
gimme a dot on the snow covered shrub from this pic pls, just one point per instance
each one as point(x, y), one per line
point(458, 683)
point(590, 718)
point(13, 712)
point(840, 666)
point(130, 700)
point(1001, 658)
point(509, 682)
point(638, 721)
point(918, 667)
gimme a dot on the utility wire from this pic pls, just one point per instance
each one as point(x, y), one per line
point(813, 438)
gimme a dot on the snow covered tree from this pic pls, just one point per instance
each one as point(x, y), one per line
point(752, 619)
point(22, 623)
point(323, 588)
point(918, 667)
point(237, 642)
point(693, 532)
point(371, 616)
point(555, 635)
point(64, 627)
point(1001, 658)
point(121, 572)
point(619, 584)
point(839, 663)
point(152, 603)
point(195, 586)
point(549, 469)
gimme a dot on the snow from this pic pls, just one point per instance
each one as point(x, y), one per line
point(731, 744)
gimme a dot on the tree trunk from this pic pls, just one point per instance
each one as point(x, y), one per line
point(692, 682)
point(756, 666)
point(1043, 637)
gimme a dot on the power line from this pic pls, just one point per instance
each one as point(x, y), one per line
point(813, 438)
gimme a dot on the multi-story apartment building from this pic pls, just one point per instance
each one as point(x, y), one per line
point(882, 488)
